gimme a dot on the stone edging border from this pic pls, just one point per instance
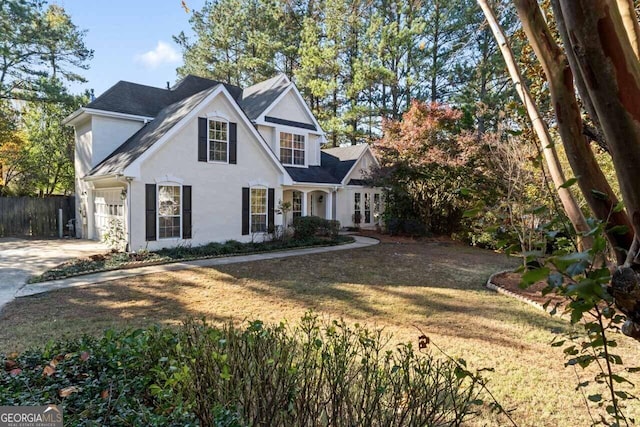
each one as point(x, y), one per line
point(136, 264)
point(503, 291)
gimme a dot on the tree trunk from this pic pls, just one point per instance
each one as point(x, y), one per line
point(569, 203)
point(593, 184)
point(630, 22)
point(612, 74)
point(578, 78)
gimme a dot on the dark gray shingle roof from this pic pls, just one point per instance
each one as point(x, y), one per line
point(317, 174)
point(140, 142)
point(335, 164)
point(141, 100)
point(256, 98)
point(170, 106)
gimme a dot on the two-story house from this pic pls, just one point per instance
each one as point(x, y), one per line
point(204, 161)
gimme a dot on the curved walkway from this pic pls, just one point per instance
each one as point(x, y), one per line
point(90, 279)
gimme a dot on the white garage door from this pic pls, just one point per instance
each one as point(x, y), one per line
point(108, 205)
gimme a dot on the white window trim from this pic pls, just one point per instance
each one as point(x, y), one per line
point(168, 184)
point(259, 187)
point(217, 118)
point(294, 131)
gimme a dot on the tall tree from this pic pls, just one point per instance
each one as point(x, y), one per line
point(569, 203)
point(592, 182)
point(242, 41)
point(36, 45)
point(607, 60)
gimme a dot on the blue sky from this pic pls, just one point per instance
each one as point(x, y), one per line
point(132, 40)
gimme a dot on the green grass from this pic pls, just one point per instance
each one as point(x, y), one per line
point(436, 286)
point(121, 260)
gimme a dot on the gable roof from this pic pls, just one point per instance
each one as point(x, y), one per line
point(140, 141)
point(141, 100)
point(335, 165)
point(257, 98)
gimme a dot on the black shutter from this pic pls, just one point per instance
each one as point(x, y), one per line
point(233, 143)
point(271, 195)
point(202, 139)
point(245, 211)
point(150, 212)
point(186, 212)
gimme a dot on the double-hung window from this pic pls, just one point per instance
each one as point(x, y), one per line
point(291, 149)
point(218, 141)
point(258, 210)
point(169, 208)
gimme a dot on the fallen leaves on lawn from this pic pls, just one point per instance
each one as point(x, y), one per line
point(68, 391)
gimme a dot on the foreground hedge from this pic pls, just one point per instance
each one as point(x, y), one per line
point(313, 374)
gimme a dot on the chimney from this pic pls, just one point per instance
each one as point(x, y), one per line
point(92, 95)
point(168, 86)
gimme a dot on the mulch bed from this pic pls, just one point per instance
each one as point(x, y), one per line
point(511, 282)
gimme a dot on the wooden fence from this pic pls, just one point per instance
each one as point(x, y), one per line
point(34, 217)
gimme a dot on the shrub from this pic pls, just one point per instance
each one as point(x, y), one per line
point(408, 226)
point(115, 237)
point(275, 376)
point(261, 375)
point(308, 226)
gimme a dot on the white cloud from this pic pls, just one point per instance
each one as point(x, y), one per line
point(164, 53)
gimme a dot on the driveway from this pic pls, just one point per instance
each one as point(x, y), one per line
point(21, 258)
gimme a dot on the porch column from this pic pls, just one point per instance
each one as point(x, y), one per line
point(304, 203)
point(328, 205)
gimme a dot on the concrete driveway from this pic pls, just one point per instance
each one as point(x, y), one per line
point(21, 258)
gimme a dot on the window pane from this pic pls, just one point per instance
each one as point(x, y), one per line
point(298, 157)
point(298, 142)
point(169, 227)
point(168, 200)
point(218, 151)
point(258, 223)
point(286, 156)
point(258, 201)
point(367, 208)
point(286, 140)
point(296, 202)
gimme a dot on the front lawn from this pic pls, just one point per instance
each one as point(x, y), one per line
point(436, 286)
point(121, 260)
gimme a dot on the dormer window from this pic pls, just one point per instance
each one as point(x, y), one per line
point(292, 149)
point(218, 141)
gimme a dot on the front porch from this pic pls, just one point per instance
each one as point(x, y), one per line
point(306, 201)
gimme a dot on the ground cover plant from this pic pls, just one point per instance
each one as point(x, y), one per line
point(314, 373)
point(117, 260)
point(436, 285)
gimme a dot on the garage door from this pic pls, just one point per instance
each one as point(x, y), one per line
point(108, 205)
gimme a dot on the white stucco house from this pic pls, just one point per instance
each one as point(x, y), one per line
point(204, 161)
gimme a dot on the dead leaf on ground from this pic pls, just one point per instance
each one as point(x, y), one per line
point(84, 356)
point(68, 391)
point(14, 372)
point(104, 394)
point(48, 371)
point(9, 364)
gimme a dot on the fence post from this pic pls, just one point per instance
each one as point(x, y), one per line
point(60, 229)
